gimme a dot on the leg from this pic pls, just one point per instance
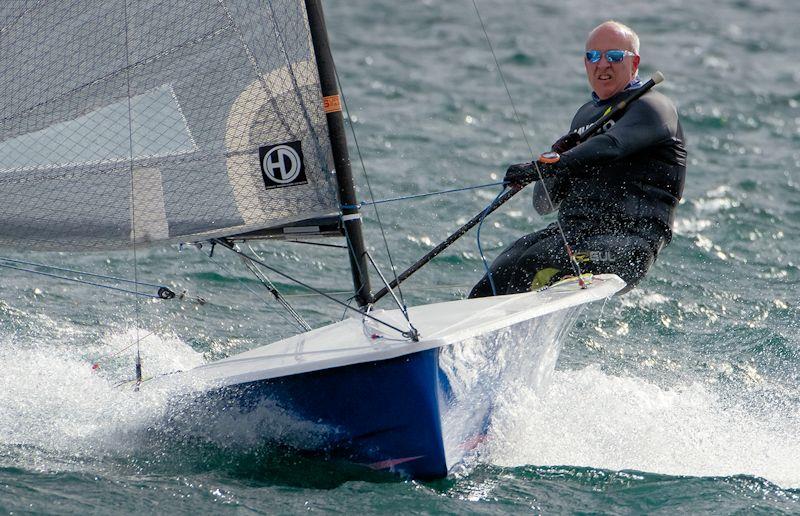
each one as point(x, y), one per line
point(626, 255)
point(504, 266)
point(540, 265)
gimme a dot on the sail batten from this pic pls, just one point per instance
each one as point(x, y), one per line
point(215, 128)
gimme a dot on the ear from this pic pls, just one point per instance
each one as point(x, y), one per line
point(635, 64)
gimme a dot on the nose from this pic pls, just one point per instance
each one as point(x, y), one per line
point(604, 62)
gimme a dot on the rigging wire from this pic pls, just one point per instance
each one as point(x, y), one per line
point(349, 301)
point(164, 292)
point(411, 328)
point(320, 244)
point(354, 259)
point(575, 266)
point(403, 307)
point(503, 79)
point(273, 289)
point(108, 356)
point(228, 246)
point(138, 362)
point(417, 196)
point(350, 292)
point(257, 294)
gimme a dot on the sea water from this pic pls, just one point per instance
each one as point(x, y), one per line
point(683, 395)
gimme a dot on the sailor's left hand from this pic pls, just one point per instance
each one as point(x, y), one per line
point(566, 142)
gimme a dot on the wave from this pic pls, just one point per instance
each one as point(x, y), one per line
point(64, 411)
point(589, 418)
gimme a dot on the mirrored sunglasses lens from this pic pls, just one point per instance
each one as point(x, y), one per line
point(615, 56)
point(593, 56)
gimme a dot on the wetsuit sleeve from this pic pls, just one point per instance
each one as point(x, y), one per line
point(647, 122)
point(557, 188)
point(556, 185)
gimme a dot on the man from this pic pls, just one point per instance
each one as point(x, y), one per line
point(615, 193)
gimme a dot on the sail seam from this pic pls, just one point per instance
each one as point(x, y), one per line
point(24, 13)
point(185, 157)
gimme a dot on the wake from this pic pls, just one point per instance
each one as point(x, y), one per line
point(589, 418)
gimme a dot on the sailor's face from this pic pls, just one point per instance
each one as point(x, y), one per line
point(606, 78)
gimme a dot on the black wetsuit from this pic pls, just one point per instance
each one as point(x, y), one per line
point(616, 194)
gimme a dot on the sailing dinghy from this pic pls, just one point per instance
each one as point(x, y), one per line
point(381, 401)
point(127, 123)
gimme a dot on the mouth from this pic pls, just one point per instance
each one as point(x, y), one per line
point(604, 77)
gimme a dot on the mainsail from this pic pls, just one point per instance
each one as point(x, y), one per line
point(152, 120)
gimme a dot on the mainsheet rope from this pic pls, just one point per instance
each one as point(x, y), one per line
point(480, 247)
point(575, 266)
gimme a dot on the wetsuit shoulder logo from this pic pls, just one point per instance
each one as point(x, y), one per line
point(608, 125)
point(282, 165)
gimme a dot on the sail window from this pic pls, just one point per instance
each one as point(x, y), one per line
point(158, 126)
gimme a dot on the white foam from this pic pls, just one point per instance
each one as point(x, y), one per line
point(643, 299)
point(481, 370)
point(589, 418)
point(52, 401)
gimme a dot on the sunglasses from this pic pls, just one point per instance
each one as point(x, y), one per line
point(612, 56)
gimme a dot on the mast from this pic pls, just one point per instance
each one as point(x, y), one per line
point(351, 217)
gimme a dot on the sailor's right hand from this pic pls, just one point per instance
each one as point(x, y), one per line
point(523, 174)
point(520, 174)
point(566, 142)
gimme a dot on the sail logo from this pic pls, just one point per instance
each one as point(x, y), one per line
point(282, 165)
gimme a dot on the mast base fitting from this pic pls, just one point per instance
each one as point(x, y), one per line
point(412, 334)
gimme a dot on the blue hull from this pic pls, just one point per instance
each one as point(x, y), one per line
point(384, 414)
